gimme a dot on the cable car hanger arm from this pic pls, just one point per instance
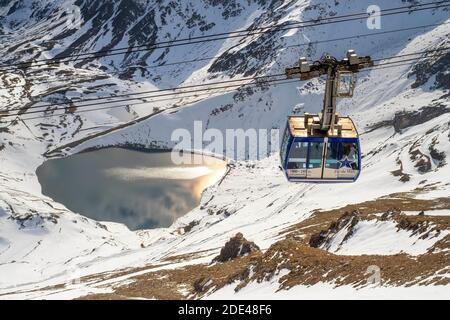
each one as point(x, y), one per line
point(334, 70)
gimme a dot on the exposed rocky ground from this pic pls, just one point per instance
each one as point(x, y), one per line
point(325, 237)
point(302, 257)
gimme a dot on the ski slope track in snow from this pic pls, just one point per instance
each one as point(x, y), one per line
point(394, 216)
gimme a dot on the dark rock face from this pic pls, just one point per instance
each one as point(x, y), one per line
point(404, 177)
point(347, 221)
point(256, 54)
point(201, 284)
point(422, 161)
point(438, 156)
point(3, 3)
point(389, 214)
point(404, 120)
point(237, 246)
point(191, 225)
point(417, 227)
point(426, 69)
point(318, 239)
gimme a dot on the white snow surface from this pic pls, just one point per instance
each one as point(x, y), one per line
point(383, 238)
point(53, 245)
point(436, 212)
point(325, 291)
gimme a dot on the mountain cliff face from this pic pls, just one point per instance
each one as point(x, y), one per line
point(402, 115)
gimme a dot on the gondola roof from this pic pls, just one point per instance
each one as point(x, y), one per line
point(298, 129)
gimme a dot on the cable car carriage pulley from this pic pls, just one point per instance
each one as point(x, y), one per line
point(324, 147)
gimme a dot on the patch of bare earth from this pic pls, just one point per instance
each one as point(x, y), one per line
point(304, 264)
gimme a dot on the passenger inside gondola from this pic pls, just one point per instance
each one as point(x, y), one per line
point(350, 153)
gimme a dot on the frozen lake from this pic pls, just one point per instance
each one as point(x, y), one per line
point(139, 189)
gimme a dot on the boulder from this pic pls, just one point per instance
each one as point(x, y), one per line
point(237, 246)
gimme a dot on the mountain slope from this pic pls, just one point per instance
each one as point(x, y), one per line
point(401, 113)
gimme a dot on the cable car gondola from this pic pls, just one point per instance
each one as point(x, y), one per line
point(320, 157)
point(324, 147)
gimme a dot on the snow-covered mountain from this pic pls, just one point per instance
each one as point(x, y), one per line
point(312, 238)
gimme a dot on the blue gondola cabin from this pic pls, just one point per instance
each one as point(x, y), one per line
point(309, 155)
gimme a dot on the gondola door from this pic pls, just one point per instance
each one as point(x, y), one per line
point(331, 164)
point(315, 157)
point(341, 159)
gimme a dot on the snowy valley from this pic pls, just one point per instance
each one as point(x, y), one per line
point(311, 240)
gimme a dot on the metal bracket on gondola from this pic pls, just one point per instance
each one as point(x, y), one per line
point(345, 82)
point(340, 83)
